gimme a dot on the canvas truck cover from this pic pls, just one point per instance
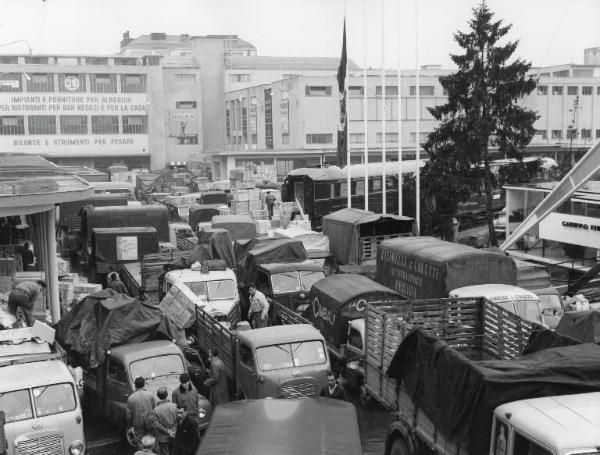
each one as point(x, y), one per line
point(344, 229)
point(279, 250)
point(428, 268)
point(218, 242)
point(296, 426)
point(113, 245)
point(239, 226)
point(213, 197)
point(315, 243)
point(107, 319)
point(156, 216)
point(459, 395)
point(337, 299)
point(149, 183)
point(583, 326)
point(68, 210)
point(202, 213)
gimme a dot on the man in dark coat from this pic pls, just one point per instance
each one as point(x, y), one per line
point(217, 381)
point(115, 283)
point(187, 438)
point(333, 389)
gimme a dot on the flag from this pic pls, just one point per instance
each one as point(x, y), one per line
point(342, 146)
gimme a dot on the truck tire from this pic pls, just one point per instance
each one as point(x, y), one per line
point(399, 447)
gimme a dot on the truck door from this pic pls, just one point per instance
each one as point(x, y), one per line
point(117, 391)
point(246, 372)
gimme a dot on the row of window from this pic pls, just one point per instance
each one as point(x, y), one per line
point(571, 90)
point(359, 138)
point(73, 124)
point(571, 134)
point(31, 60)
point(358, 90)
point(72, 82)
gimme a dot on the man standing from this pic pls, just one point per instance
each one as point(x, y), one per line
point(186, 396)
point(259, 308)
point(24, 296)
point(164, 421)
point(140, 405)
point(26, 256)
point(270, 201)
point(217, 380)
point(186, 436)
point(115, 283)
point(333, 389)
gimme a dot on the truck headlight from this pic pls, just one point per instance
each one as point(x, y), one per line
point(201, 413)
point(76, 447)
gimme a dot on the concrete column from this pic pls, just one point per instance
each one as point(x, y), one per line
point(52, 270)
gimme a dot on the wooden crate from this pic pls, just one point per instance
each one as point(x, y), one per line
point(368, 245)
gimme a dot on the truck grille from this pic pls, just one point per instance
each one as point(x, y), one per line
point(298, 388)
point(44, 444)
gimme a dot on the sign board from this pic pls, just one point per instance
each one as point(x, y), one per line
point(73, 104)
point(268, 119)
point(284, 115)
point(127, 248)
point(575, 229)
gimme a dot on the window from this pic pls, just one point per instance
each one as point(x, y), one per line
point(54, 399)
point(246, 356)
point(134, 124)
point(556, 134)
point(319, 138)
point(126, 61)
point(542, 90)
point(587, 90)
point(597, 134)
point(103, 83)
point(9, 60)
point(308, 278)
point(105, 124)
point(36, 60)
point(318, 90)
point(254, 139)
point(40, 82)
point(117, 372)
point(583, 73)
point(354, 339)
point(73, 124)
point(356, 90)
point(424, 90)
point(10, 82)
point(241, 78)
point(586, 134)
point(228, 123)
point(376, 184)
point(96, 60)
point(572, 90)
point(523, 446)
point(556, 90)
point(70, 82)
point(571, 133)
point(389, 137)
point(322, 191)
point(42, 124)
point(390, 90)
point(422, 137)
point(185, 77)
point(290, 355)
point(16, 405)
point(12, 125)
point(133, 83)
point(357, 138)
point(156, 367)
point(285, 138)
point(185, 104)
point(542, 133)
point(564, 73)
point(188, 139)
point(597, 90)
point(359, 187)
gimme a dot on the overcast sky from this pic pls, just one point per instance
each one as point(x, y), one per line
point(550, 31)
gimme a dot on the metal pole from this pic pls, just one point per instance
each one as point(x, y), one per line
point(418, 125)
point(347, 100)
point(399, 77)
point(383, 185)
point(365, 108)
point(52, 270)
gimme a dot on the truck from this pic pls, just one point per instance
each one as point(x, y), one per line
point(38, 394)
point(446, 368)
point(285, 361)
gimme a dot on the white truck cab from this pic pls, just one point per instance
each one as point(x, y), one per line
point(517, 300)
point(216, 291)
point(558, 425)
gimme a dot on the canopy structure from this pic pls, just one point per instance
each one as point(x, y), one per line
point(345, 228)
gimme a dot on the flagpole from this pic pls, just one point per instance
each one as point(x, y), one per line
point(418, 127)
point(347, 97)
point(383, 183)
point(365, 108)
point(400, 188)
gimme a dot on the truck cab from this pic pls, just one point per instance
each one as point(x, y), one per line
point(289, 283)
point(281, 362)
point(217, 289)
point(558, 425)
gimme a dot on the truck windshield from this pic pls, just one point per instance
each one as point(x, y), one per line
point(54, 399)
point(285, 282)
point(290, 355)
point(213, 290)
point(527, 309)
point(309, 278)
point(16, 405)
point(156, 367)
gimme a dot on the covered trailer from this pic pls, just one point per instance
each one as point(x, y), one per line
point(429, 268)
point(146, 184)
point(279, 250)
point(239, 226)
point(70, 212)
point(354, 234)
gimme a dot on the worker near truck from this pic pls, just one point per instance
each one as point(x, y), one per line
point(187, 438)
point(164, 421)
point(140, 404)
point(270, 201)
point(259, 308)
point(186, 396)
point(115, 283)
point(217, 380)
point(147, 444)
point(333, 389)
point(24, 296)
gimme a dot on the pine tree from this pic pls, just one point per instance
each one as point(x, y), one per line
point(481, 112)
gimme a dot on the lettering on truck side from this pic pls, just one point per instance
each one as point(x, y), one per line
point(323, 313)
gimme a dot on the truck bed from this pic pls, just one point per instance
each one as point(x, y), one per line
point(210, 333)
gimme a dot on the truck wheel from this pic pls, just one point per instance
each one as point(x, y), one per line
point(399, 447)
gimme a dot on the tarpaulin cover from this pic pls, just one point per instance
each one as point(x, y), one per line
point(149, 183)
point(279, 250)
point(239, 226)
point(459, 395)
point(218, 241)
point(314, 242)
point(107, 319)
point(343, 229)
point(297, 426)
point(241, 247)
point(213, 197)
point(156, 216)
point(202, 213)
point(338, 299)
point(429, 268)
point(105, 246)
point(546, 338)
point(584, 326)
point(73, 208)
